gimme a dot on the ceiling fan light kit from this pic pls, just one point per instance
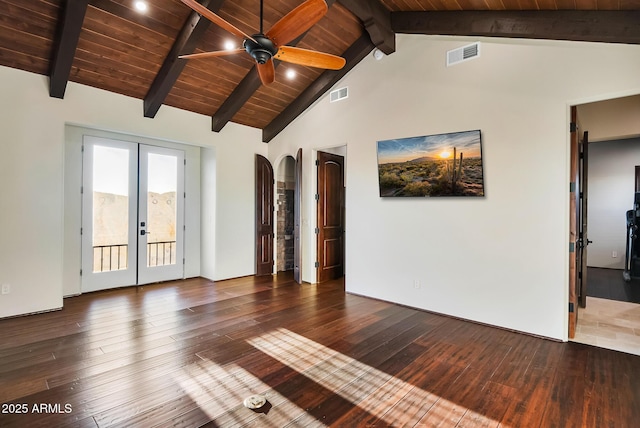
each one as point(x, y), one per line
point(264, 47)
point(260, 48)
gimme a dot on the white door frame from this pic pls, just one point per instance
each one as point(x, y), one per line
point(136, 270)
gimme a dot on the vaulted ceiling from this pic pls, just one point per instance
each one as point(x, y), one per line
point(108, 44)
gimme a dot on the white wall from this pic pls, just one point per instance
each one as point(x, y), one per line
point(501, 259)
point(611, 176)
point(32, 172)
point(208, 218)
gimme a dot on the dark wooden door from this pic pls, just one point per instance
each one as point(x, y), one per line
point(264, 216)
point(574, 200)
point(582, 215)
point(297, 219)
point(330, 230)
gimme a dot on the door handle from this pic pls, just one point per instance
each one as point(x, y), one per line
point(142, 233)
point(582, 243)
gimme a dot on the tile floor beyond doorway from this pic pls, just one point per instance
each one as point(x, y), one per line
point(610, 324)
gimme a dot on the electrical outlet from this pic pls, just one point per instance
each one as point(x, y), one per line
point(614, 254)
point(416, 284)
point(6, 288)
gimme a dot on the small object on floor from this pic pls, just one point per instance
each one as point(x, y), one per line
point(254, 402)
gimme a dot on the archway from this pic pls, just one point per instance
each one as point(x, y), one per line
point(285, 216)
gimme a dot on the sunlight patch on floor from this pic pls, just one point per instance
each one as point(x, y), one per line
point(383, 396)
point(219, 392)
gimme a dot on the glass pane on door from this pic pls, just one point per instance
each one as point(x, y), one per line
point(110, 235)
point(161, 209)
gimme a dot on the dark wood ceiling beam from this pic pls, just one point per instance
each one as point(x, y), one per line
point(234, 102)
point(377, 20)
point(244, 91)
point(66, 42)
point(186, 42)
point(575, 25)
point(354, 54)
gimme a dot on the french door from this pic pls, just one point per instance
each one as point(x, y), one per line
point(132, 214)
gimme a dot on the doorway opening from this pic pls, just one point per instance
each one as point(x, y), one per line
point(608, 308)
point(285, 192)
point(285, 219)
point(132, 214)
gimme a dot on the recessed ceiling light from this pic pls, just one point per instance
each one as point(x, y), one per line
point(291, 73)
point(141, 6)
point(229, 45)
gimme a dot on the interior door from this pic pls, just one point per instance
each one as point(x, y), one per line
point(330, 230)
point(574, 201)
point(582, 215)
point(161, 214)
point(133, 214)
point(264, 216)
point(297, 220)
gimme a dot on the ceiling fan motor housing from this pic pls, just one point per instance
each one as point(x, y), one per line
point(262, 49)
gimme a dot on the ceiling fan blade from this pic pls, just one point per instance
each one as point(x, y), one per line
point(211, 54)
point(297, 21)
point(267, 72)
point(310, 58)
point(197, 7)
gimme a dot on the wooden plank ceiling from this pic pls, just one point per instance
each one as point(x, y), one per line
point(107, 44)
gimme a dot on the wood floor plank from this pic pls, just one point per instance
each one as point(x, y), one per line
point(186, 353)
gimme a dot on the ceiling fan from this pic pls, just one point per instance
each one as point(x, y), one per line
point(264, 47)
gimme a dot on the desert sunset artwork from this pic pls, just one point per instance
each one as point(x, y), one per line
point(433, 165)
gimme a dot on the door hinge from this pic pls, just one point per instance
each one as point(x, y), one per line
point(573, 127)
point(183, 261)
point(82, 148)
point(82, 190)
point(579, 275)
point(184, 195)
point(581, 155)
point(317, 196)
point(317, 162)
point(317, 230)
point(80, 272)
point(572, 187)
point(81, 231)
point(317, 264)
point(570, 307)
point(572, 247)
point(184, 227)
point(185, 162)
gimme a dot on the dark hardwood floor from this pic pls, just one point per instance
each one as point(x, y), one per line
point(187, 353)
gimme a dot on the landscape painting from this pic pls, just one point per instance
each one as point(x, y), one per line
point(432, 165)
